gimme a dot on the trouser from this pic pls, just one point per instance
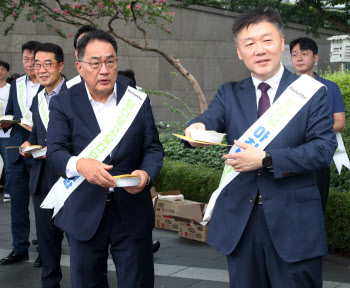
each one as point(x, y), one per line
point(133, 258)
point(19, 190)
point(50, 241)
point(4, 142)
point(256, 263)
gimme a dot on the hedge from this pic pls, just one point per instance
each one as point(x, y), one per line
point(198, 182)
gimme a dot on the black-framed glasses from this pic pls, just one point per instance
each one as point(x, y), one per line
point(110, 63)
point(46, 65)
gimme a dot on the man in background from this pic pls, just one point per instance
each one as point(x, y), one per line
point(48, 66)
point(304, 53)
point(4, 137)
point(22, 92)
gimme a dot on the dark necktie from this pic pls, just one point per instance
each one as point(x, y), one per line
point(264, 101)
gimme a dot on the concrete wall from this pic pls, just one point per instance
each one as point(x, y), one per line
point(202, 40)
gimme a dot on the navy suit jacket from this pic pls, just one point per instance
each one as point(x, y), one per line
point(291, 200)
point(38, 137)
point(72, 127)
point(18, 133)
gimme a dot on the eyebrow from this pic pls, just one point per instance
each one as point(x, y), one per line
point(99, 57)
point(251, 38)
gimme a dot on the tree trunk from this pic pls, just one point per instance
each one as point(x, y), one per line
point(202, 103)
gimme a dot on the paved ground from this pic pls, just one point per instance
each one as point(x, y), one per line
point(179, 263)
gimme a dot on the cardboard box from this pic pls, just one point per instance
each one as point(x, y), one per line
point(193, 231)
point(166, 222)
point(169, 207)
point(189, 220)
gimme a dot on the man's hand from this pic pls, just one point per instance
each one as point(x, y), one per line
point(199, 126)
point(143, 181)
point(247, 160)
point(95, 172)
point(5, 125)
point(27, 155)
point(43, 157)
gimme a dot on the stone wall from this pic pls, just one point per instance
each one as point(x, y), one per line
point(202, 40)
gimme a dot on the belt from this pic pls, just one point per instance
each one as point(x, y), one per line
point(258, 199)
point(110, 196)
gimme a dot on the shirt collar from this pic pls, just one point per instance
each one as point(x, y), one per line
point(31, 83)
point(113, 95)
point(56, 90)
point(274, 81)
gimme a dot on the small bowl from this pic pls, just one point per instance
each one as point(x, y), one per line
point(26, 122)
point(207, 136)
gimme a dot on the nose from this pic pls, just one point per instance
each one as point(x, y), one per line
point(42, 69)
point(260, 48)
point(104, 69)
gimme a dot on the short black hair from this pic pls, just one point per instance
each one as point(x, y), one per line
point(255, 16)
point(31, 45)
point(305, 44)
point(5, 65)
point(82, 30)
point(97, 35)
point(51, 48)
point(129, 73)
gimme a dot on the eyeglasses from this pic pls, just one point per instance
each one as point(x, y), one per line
point(46, 65)
point(110, 63)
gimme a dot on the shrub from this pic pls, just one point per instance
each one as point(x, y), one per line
point(337, 219)
point(342, 182)
point(208, 156)
point(196, 182)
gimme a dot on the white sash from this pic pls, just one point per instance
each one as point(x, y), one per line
point(73, 81)
point(267, 127)
point(43, 108)
point(100, 147)
point(4, 99)
point(340, 156)
point(22, 97)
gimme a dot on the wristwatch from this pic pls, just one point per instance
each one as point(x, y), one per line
point(267, 161)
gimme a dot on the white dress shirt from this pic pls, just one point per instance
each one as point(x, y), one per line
point(274, 82)
point(103, 114)
point(32, 89)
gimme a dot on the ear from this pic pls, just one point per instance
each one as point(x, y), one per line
point(61, 66)
point(316, 57)
point(282, 43)
point(78, 66)
point(238, 52)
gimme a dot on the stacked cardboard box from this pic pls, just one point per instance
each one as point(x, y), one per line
point(178, 214)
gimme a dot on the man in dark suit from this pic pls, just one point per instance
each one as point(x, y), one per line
point(268, 220)
point(48, 66)
point(97, 215)
point(22, 92)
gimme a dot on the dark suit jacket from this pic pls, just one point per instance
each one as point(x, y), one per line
point(18, 133)
point(72, 127)
point(291, 200)
point(38, 137)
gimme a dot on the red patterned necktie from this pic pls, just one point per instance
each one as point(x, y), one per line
point(264, 101)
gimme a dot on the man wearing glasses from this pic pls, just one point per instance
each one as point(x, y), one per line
point(22, 92)
point(48, 67)
point(97, 215)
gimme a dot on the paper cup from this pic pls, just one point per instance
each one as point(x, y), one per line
point(126, 182)
point(207, 136)
point(26, 122)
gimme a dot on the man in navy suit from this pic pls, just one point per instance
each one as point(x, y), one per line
point(22, 92)
point(48, 66)
point(268, 220)
point(97, 215)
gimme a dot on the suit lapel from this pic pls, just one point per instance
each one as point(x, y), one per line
point(286, 80)
point(83, 107)
point(247, 100)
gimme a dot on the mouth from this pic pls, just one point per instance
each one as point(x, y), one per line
point(104, 81)
point(44, 78)
point(262, 61)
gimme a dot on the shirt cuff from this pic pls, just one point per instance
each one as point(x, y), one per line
point(71, 169)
